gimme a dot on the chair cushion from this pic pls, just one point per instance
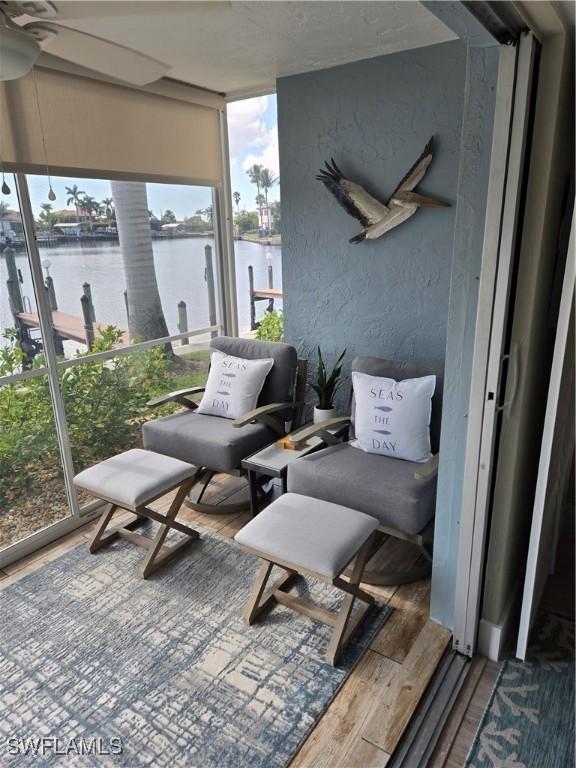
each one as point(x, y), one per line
point(308, 533)
point(133, 478)
point(279, 382)
point(206, 441)
point(377, 485)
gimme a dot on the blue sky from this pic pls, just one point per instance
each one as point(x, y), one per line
point(253, 132)
point(253, 136)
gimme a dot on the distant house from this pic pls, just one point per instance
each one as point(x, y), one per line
point(265, 217)
point(173, 227)
point(71, 228)
point(69, 215)
point(11, 226)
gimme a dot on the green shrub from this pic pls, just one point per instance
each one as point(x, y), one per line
point(105, 403)
point(271, 326)
point(105, 400)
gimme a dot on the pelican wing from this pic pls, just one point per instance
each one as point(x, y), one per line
point(351, 196)
point(416, 173)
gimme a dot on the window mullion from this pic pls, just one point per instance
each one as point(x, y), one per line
point(45, 320)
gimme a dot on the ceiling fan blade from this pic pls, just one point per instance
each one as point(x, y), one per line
point(72, 10)
point(97, 54)
point(41, 9)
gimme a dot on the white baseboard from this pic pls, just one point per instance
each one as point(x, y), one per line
point(493, 638)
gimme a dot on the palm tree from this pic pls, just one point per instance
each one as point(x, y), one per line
point(108, 206)
point(254, 174)
point(75, 196)
point(168, 217)
point(237, 199)
point(205, 213)
point(47, 217)
point(267, 181)
point(145, 315)
point(91, 207)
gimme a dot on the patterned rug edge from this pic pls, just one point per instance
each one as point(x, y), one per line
point(384, 608)
point(500, 725)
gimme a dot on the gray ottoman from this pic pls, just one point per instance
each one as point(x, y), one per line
point(317, 538)
point(131, 481)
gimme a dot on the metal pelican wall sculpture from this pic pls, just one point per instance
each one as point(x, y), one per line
point(378, 218)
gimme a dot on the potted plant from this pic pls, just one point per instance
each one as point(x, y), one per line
point(325, 387)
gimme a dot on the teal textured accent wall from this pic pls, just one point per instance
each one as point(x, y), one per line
point(412, 294)
point(387, 297)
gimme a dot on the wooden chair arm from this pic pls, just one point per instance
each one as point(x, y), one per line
point(260, 414)
point(179, 396)
point(320, 430)
point(429, 469)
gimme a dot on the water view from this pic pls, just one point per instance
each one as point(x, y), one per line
point(179, 263)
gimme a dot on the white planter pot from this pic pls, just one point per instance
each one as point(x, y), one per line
point(320, 414)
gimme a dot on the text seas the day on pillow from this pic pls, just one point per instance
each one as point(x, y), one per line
point(392, 418)
point(234, 385)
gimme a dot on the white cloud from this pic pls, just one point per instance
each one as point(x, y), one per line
point(268, 157)
point(248, 131)
point(246, 127)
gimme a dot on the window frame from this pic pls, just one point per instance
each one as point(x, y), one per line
point(225, 279)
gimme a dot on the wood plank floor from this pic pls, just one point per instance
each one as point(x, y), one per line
point(365, 720)
point(460, 729)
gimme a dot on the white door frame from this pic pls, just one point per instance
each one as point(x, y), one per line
point(508, 165)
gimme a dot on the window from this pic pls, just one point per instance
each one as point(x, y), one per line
point(129, 280)
point(254, 171)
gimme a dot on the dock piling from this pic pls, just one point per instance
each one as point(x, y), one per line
point(13, 282)
point(49, 283)
point(87, 291)
point(253, 323)
point(209, 277)
point(262, 294)
point(88, 322)
point(183, 321)
point(270, 307)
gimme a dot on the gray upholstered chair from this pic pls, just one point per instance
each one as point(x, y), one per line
point(215, 444)
point(401, 495)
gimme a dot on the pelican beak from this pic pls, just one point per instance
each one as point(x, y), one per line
point(427, 202)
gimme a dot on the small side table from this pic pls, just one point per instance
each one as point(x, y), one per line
point(274, 460)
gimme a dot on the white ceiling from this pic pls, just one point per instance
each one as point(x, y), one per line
point(240, 48)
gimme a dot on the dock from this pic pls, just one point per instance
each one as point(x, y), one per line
point(68, 327)
point(84, 328)
point(267, 293)
point(262, 294)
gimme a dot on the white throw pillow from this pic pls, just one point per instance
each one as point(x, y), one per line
point(234, 385)
point(392, 418)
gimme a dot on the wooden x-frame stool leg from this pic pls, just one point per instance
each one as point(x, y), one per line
point(157, 552)
point(262, 599)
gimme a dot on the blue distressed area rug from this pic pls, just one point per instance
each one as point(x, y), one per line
point(529, 719)
point(98, 667)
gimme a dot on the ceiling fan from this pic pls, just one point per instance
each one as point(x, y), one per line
point(21, 44)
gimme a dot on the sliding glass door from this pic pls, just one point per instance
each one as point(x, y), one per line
point(109, 297)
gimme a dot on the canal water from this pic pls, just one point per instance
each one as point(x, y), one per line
point(179, 262)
